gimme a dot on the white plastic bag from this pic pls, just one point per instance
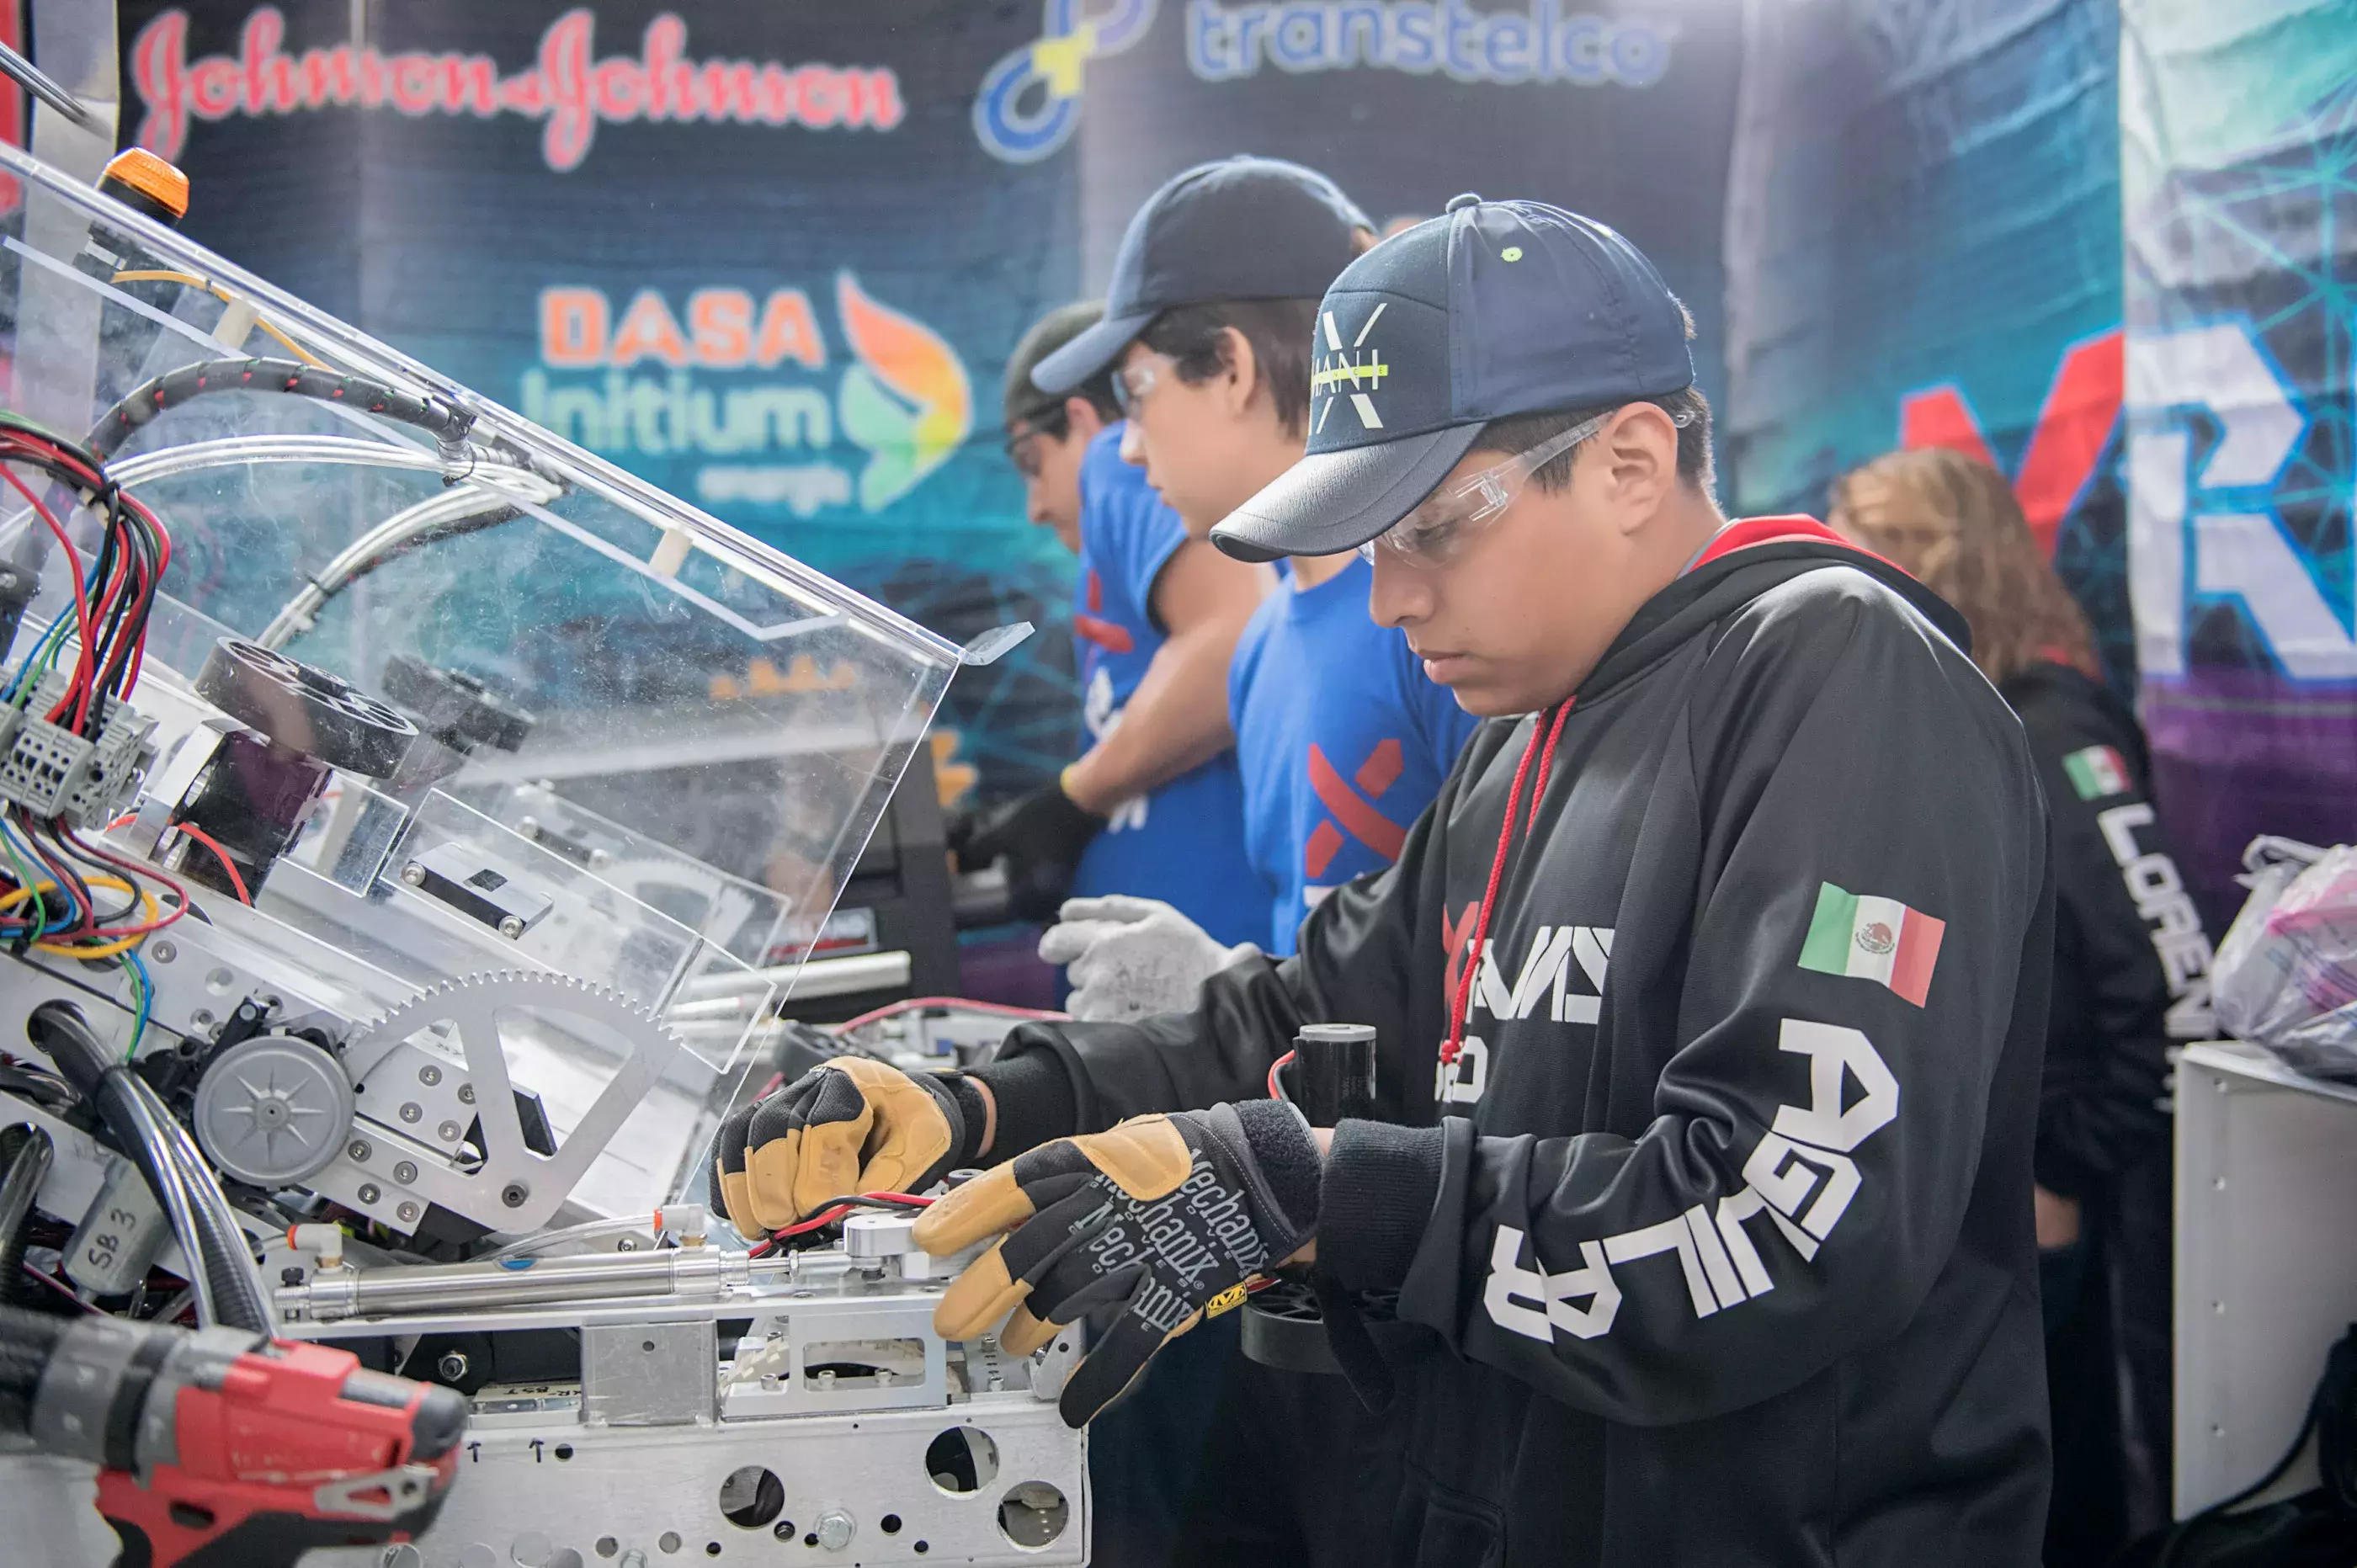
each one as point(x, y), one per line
point(2285, 976)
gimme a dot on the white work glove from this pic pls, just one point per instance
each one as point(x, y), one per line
point(1131, 958)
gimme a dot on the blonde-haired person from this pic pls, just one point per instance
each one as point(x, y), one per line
point(2103, 1155)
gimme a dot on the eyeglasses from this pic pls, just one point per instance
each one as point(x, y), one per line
point(1132, 382)
point(1023, 441)
point(1441, 524)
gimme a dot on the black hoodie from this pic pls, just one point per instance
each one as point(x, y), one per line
point(1720, 1219)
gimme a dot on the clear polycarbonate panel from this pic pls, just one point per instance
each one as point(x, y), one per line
point(651, 748)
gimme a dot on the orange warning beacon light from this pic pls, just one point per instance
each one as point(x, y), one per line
point(147, 184)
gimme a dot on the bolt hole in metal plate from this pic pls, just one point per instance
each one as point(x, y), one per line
point(751, 1497)
point(1033, 1514)
point(962, 1460)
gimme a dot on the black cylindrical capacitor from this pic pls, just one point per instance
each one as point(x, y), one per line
point(1334, 1072)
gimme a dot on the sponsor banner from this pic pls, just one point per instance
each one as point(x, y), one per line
point(1520, 85)
point(1922, 242)
point(766, 267)
point(774, 263)
point(2238, 131)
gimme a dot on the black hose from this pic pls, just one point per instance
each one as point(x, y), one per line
point(446, 422)
point(29, 1154)
point(168, 1158)
point(27, 1341)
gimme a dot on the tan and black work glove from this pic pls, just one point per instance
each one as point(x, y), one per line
point(1175, 1217)
point(847, 1127)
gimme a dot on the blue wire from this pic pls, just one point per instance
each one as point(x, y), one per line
point(146, 998)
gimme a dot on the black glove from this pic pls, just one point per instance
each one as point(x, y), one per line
point(1040, 835)
point(1173, 1215)
point(847, 1127)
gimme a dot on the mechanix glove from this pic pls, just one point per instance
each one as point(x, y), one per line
point(849, 1126)
point(1173, 1215)
point(1040, 836)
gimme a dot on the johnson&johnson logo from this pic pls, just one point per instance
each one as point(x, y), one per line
point(566, 87)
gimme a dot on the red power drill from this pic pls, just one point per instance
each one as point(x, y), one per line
point(225, 1449)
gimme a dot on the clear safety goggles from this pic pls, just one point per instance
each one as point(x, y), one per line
point(1132, 382)
point(1446, 521)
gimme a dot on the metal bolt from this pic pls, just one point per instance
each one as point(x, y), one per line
point(429, 1076)
point(412, 1111)
point(201, 1018)
point(834, 1530)
point(414, 873)
point(369, 1192)
point(466, 1094)
point(408, 1212)
point(405, 1172)
point(447, 1132)
point(513, 1194)
point(359, 1151)
point(598, 859)
point(512, 927)
point(452, 1366)
point(162, 953)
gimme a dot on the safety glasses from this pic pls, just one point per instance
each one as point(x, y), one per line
point(1132, 382)
point(1442, 524)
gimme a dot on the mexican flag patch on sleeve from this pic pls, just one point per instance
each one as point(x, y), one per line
point(1866, 938)
point(2097, 772)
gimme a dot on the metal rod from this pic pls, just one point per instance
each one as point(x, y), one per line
point(43, 86)
point(378, 1293)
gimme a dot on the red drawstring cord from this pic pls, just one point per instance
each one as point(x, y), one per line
point(1459, 1007)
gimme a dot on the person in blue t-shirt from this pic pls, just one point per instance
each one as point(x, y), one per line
point(1154, 805)
point(1343, 740)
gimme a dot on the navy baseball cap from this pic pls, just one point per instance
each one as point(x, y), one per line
point(1493, 309)
point(1242, 228)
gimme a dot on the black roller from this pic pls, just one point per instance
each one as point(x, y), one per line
point(304, 709)
point(454, 707)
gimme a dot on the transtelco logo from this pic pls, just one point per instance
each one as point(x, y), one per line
point(1358, 367)
point(1029, 102)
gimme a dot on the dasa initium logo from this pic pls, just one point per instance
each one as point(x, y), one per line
point(1029, 102)
point(768, 435)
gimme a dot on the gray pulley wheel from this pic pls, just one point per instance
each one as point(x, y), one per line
point(273, 1110)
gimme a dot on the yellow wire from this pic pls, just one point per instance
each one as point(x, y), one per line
point(102, 879)
point(218, 292)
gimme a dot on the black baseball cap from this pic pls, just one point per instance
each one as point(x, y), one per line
point(1020, 400)
point(1493, 309)
point(1242, 228)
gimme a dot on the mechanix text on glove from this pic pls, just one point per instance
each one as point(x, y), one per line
point(1173, 1215)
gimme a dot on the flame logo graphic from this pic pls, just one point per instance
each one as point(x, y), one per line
point(906, 402)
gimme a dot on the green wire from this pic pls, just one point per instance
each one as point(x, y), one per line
point(25, 878)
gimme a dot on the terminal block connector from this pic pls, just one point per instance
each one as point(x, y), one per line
point(50, 771)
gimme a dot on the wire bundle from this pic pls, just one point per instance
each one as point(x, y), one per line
point(113, 598)
point(58, 893)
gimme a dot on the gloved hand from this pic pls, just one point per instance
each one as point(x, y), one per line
point(1174, 1215)
point(1040, 835)
point(847, 1127)
point(1132, 958)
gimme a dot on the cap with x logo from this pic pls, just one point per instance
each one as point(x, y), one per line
point(1493, 309)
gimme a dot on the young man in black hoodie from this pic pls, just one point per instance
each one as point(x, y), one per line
point(1709, 992)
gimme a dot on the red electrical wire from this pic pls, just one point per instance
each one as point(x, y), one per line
point(220, 854)
point(828, 1213)
point(1276, 1089)
point(73, 561)
point(131, 870)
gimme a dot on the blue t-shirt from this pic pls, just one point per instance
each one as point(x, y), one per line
point(1183, 843)
point(1343, 740)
